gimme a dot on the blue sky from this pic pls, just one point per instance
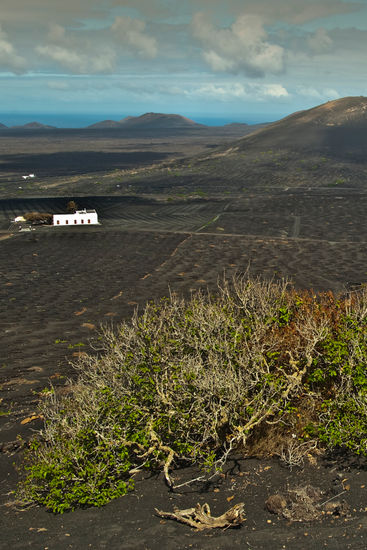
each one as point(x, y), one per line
point(236, 60)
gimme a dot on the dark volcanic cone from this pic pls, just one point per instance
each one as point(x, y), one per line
point(322, 147)
point(337, 128)
point(150, 121)
point(159, 120)
point(106, 124)
point(34, 126)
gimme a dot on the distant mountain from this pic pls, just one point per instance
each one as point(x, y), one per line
point(158, 120)
point(150, 121)
point(2, 126)
point(34, 126)
point(106, 124)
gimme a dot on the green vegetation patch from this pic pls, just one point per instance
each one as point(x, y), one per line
point(190, 381)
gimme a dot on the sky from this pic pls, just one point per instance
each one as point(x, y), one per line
point(219, 60)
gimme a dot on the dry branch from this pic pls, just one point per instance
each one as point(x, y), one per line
point(200, 517)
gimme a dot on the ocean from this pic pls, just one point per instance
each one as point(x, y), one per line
point(80, 120)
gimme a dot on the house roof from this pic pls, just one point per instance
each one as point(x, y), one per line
point(78, 212)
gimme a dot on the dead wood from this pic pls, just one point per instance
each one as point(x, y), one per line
point(200, 517)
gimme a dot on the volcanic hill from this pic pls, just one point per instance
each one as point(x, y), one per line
point(149, 121)
point(337, 128)
point(325, 146)
point(33, 126)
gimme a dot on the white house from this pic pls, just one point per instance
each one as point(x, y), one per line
point(29, 176)
point(80, 217)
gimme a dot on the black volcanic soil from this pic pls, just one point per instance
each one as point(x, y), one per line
point(323, 147)
point(58, 285)
point(288, 201)
point(57, 156)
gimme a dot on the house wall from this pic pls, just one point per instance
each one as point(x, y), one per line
point(85, 218)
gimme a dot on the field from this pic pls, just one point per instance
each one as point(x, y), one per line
point(87, 161)
point(58, 285)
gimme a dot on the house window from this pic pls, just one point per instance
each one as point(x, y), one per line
point(82, 221)
point(58, 222)
point(75, 221)
point(67, 222)
point(88, 221)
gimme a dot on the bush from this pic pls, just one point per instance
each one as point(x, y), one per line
point(38, 218)
point(71, 207)
point(190, 381)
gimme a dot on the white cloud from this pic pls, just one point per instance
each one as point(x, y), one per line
point(320, 94)
point(222, 92)
point(78, 62)
point(75, 53)
point(275, 90)
point(227, 92)
point(131, 33)
point(9, 59)
point(241, 48)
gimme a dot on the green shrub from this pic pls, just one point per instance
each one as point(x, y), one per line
point(189, 381)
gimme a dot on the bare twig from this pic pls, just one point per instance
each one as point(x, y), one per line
point(200, 517)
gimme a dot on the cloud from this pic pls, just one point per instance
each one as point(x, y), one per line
point(350, 39)
point(275, 90)
point(296, 12)
point(255, 38)
point(219, 92)
point(241, 48)
point(97, 51)
point(320, 42)
point(72, 12)
point(311, 92)
point(56, 33)
point(300, 12)
point(228, 92)
point(78, 62)
point(131, 33)
point(9, 59)
point(77, 53)
point(225, 91)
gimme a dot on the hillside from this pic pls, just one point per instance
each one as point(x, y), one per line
point(337, 128)
point(325, 146)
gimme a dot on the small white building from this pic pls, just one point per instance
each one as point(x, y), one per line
point(80, 217)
